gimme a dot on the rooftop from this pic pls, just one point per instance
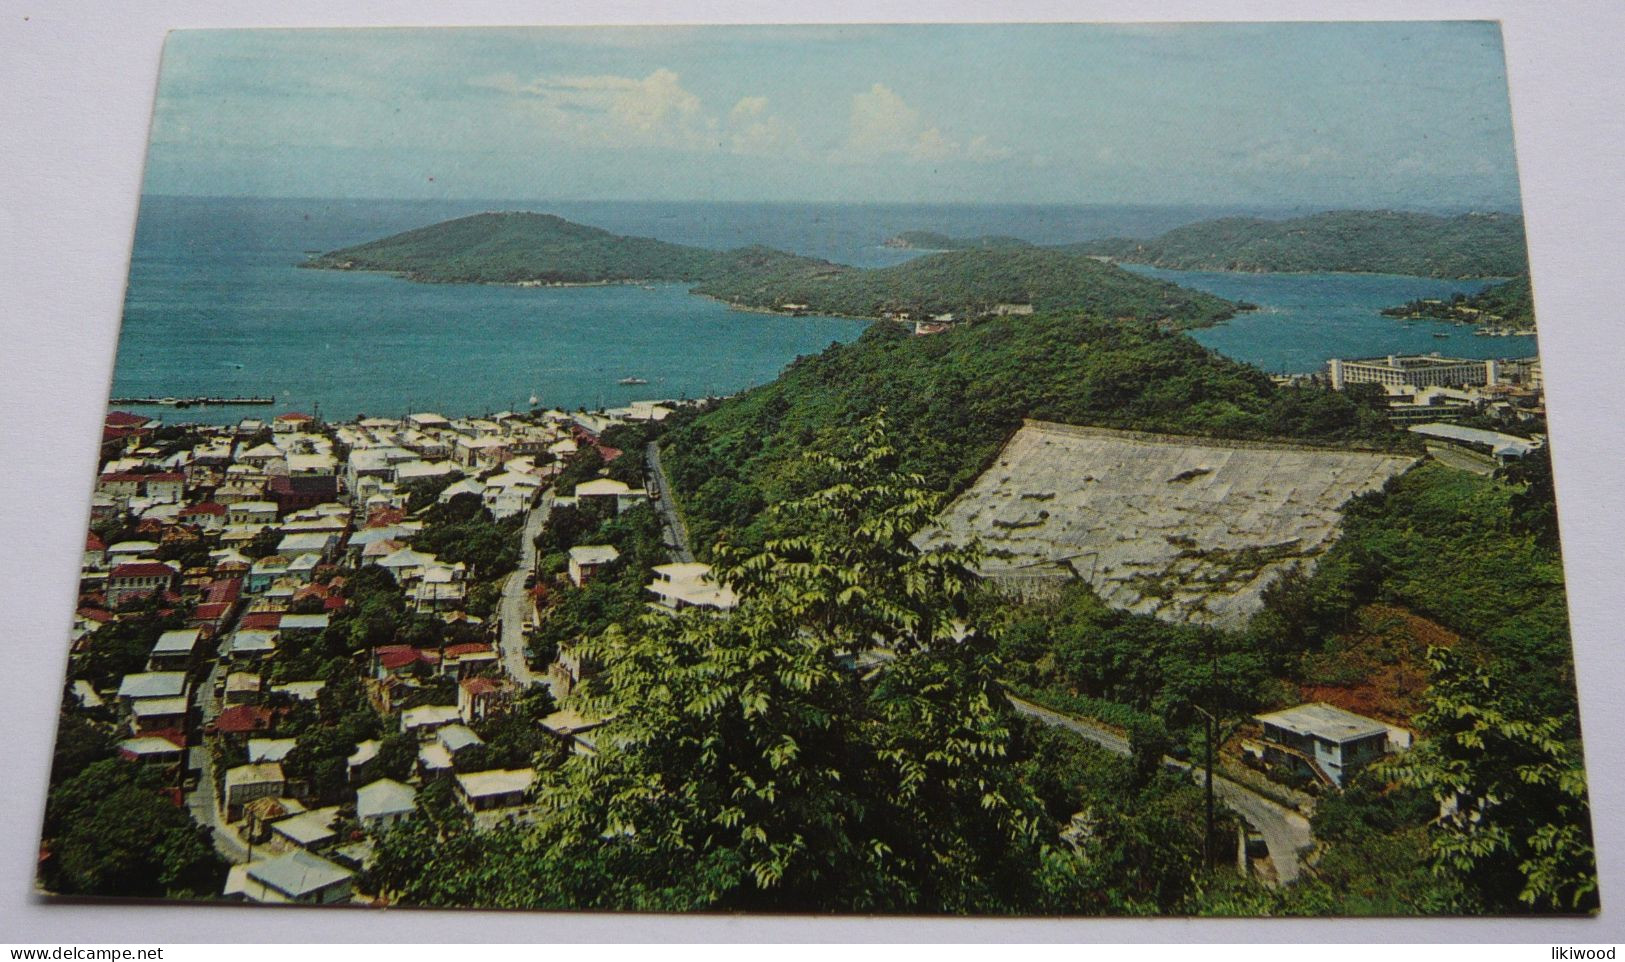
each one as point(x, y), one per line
point(1324, 721)
point(497, 782)
point(594, 554)
point(179, 641)
point(153, 684)
point(294, 875)
point(384, 797)
point(269, 749)
point(256, 774)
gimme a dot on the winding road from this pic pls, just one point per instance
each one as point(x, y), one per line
point(512, 638)
point(1286, 833)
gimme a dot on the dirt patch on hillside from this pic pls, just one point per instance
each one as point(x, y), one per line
point(1379, 669)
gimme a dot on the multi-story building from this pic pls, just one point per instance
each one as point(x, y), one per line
point(1417, 370)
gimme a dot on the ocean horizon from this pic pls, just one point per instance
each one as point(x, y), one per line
point(218, 306)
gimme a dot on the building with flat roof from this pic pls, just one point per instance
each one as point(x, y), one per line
point(499, 788)
point(1321, 741)
point(1416, 370)
point(688, 584)
point(1501, 447)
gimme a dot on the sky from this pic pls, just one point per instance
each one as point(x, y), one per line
point(1404, 115)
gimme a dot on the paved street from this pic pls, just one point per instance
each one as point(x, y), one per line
point(201, 802)
point(512, 638)
point(1285, 832)
point(672, 529)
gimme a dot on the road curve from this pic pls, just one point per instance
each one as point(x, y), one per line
point(1286, 833)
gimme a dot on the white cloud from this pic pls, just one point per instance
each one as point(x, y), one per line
point(653, 111)
point(884, 125)
point(656, 110)
point(753, 131)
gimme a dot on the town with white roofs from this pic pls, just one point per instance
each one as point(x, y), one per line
point(304, 626)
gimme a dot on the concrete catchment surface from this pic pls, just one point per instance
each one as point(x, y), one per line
point(1187, 529)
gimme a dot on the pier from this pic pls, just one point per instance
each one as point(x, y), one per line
point(186, 402)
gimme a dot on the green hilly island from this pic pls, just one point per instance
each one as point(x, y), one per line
point(1509, 305)
point(533, 248)
point(972, 282)
point(517, 247)
point(1363, 241)
point(925, 240)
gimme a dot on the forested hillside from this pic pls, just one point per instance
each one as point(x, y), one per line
point(518, 246)
point(954, 398)
point(1382, 242)
point(1509, 304)
point(970, 282)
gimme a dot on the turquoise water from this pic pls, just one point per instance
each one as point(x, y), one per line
point(1304, 319)
point(216, 306)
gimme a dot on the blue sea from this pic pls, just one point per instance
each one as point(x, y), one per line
point(216, 305)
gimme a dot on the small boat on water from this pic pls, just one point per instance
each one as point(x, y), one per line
point(1440, 334)
point(633, 380)
point(534, 400)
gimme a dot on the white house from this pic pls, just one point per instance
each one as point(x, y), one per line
point(499, 788)
point(1321, 741)
point(248, 782)
point(688, 584)
point(383, 803)
point(586, 559)
point(296, 877)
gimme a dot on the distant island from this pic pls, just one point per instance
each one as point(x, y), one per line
point(925, 240)
point(535, 249)
point(1507, 307)
point(1350, 241)
point(954, 285)
point(521, 247)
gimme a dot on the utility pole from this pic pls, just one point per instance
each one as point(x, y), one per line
point(1209, 725)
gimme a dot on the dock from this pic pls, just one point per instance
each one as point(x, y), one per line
point(186, 402)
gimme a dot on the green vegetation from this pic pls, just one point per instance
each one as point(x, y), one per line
point(1509, 305)
point(1516, 820)
point(925, 240)
point(748, 765)
point(956, 397)
point(462, 530)
point(520, 247)
point(112, 831)
point(1355, 241)
point(376, 614)
point(971, 282)
point(615, 594)
point(1453, 559)
point(121, 647)
point(511, 247)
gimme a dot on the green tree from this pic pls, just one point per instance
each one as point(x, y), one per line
point(1515, 823)
point(111, 832)
point(779, 758)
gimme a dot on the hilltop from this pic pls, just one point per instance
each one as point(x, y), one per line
point(970, 282)
point(1351, 241)
point(519, 247)
point(955, 398)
